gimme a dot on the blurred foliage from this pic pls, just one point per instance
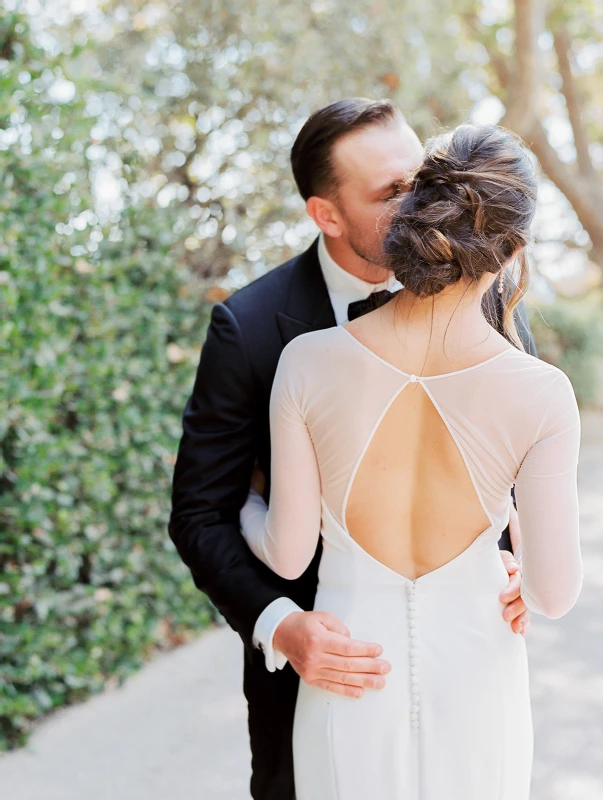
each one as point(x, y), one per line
point(212, 93)
point(211, 97)
point(569, 334)
point(99, 335)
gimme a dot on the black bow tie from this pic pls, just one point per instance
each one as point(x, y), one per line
point(373, 301)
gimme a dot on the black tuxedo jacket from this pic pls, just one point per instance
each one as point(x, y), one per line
point(226, 427)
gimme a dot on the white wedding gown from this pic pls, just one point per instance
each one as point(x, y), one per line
point(454, 720)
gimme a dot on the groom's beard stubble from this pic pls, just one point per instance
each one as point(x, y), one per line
point(369, 250)
point(374, 258)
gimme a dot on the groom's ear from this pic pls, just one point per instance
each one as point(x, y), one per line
point(325, 215)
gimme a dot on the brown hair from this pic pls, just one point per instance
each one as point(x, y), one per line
point(469, 208)
point(311, 154)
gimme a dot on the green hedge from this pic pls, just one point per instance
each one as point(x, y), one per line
point(569, 334)
point(100, 329)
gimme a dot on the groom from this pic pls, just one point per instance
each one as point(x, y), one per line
point(350, 161)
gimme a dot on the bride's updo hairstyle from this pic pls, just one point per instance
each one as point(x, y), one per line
point(469, 208)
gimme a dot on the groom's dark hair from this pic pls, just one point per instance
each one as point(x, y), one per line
point(311, 160)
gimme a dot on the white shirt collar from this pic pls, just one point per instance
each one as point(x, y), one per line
point(345, 288)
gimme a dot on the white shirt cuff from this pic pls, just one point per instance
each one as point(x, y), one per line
point(265, 627)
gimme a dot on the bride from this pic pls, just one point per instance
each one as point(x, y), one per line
point(398, 439)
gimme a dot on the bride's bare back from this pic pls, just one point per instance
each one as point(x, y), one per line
point(413, 504)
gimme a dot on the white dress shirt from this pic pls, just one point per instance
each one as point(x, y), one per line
point(343, 288)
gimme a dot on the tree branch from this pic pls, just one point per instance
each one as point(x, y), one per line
point(521, 77)
point(571, 184)
point(498, 61)
point(502, 70)
point(524, 87)
point(574, 105)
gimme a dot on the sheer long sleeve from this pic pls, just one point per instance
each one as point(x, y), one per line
point(285, 535)
point(547, 504)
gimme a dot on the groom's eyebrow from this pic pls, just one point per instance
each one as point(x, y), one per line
point(400, 183)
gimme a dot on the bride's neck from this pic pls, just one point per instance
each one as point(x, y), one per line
point(454, 314)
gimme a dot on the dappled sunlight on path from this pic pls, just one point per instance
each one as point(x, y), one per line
point(175, 731)
point(566, 658)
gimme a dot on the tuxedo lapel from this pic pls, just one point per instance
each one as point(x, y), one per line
point(290, 327)
point(308, 304)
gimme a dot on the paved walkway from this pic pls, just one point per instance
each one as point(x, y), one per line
point(176, 731)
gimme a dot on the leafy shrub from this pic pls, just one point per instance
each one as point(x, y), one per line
point(569, 334)
point(100, 328)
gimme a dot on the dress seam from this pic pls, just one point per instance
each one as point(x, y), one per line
point(332, 753)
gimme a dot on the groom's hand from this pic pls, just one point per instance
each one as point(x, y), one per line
point(515, 610)
point(323, 654)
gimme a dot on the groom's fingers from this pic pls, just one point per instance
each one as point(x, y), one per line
point(509, 561)
point(522, 623)
point(358, 664)
point(316, 642)
point(513, 590)
point(350, 648)
point(339, 688)
point(358, 679)
point(331, 623)
point(514, 610)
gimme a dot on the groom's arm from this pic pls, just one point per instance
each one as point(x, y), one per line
point(211, 480)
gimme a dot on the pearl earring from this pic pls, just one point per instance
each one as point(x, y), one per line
point(501, 281)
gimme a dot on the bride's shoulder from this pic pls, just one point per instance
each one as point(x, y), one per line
point(306, 360)
point(534, 367)
point(310, 357)
point(313, 343)
point(544, 384)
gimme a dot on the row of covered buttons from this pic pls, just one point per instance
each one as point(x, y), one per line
point(414, 657)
